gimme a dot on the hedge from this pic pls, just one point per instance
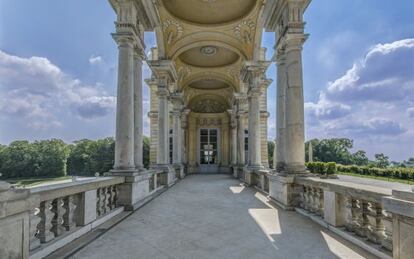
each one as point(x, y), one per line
point(332, 168)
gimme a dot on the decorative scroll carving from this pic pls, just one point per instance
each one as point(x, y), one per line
point(245, 31)
point(173, 30)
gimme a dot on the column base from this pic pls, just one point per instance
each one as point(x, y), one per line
point(283, 191)
point(179, 170)
point(170, 172)
point(135, 188)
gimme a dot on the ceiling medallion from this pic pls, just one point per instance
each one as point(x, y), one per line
point(208, 50)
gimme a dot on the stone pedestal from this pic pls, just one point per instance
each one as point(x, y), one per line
point(334, 208)
point(401, 205)
point(14, 222)
point(134, 190)
point(283, 191)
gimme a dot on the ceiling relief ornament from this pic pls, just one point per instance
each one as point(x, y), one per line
point(173, 30)
point(183, 72)
point(244, 31)
point(208, 50)
point(208, 106)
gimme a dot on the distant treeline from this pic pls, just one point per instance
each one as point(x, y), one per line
point(49, 158)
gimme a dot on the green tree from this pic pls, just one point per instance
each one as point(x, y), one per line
point(270, 152)
point(381, 160)
point(79, 158)
point(334, 150)
point(314, 142)
point(146, 151)
point(51, 157)
point(360, 158)
point(18, 160)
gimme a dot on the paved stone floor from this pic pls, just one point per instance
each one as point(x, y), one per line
point(214, 216)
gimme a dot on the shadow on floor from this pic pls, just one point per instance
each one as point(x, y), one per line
point(215, 216)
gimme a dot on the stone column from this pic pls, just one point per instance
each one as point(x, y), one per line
point(177, 137)
point(233, 126)
point(163, 126)
point(138, 137)
point(255, 158)
point(240, 143)
point(124, 136)
point(295, 133)
point(280, 112)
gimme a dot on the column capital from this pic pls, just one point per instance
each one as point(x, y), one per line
point(162, 92)
point(295, 42)
point(124, 39)
point(163, 70)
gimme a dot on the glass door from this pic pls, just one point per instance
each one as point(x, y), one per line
point(208, 146)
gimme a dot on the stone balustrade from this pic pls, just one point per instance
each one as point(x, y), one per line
point(62, 209)
point(40, 220)
point(352, 210)
point(258, 179)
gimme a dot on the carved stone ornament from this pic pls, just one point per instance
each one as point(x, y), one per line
point(208, 106)
point(173, 30)
point(209, 122)
point(245, 31)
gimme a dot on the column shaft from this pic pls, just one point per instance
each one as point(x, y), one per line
point(295, 134)
point(177, 138)
point(138, 137)
point(255, 159)
point(280, 113)
point(163, 128)
point(240, 148)
point(234, 145)
point(124, 136)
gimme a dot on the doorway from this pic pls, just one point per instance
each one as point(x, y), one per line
point(209, 150)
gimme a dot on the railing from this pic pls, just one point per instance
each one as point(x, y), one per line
point(350, 207)
point(62, 208)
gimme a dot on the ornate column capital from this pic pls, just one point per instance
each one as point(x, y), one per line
point(162, 92)
point(164, 71)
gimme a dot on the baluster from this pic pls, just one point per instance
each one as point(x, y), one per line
point(305, 198)
point(107, 194)
point(34, 221)
point(45, 225)
point(361, 218)
point(387, 222)
point(98, 202)
point(350, 214)
point(375, 228)
point(302, 198)
point(313, 206)
point(320, 204)
point(70, 212)
point(57, 221)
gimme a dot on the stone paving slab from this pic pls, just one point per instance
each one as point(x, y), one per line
point(215, 216)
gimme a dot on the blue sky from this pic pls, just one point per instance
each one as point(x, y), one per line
point(58, 72)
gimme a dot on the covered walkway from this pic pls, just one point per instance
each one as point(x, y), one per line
point(215, 216)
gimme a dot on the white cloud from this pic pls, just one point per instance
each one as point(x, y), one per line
point(36, 91)
point(93, 60)
point(373, 100)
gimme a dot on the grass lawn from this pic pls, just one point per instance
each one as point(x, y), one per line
point(33, 181)
point(387, 179)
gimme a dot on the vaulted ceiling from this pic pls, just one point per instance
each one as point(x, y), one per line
point(209, 40)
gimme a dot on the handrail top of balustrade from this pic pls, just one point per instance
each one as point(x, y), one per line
point(82, 183)
point(368, 192)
